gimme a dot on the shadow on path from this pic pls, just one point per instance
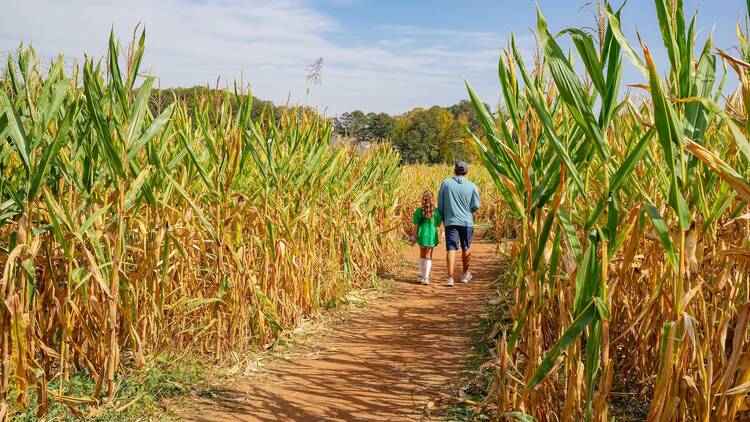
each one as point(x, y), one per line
point(384, 364)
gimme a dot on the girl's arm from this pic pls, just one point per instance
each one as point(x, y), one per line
point(438, 218)
point(417, 216)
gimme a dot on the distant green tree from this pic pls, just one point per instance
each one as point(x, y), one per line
point(432, 136)
point(380, 126)
point(352, 125)
point(464, 112)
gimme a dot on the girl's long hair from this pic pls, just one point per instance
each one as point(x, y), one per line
point(427, 208)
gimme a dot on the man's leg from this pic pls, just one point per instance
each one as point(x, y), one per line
point(450, 261)
point(466, 259)
point(452, 240)
point(466, 236)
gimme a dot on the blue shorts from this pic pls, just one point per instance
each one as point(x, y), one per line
point(458, 234)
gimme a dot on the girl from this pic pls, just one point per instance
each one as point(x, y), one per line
point(427, 219)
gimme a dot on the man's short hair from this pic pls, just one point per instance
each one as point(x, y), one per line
point(461, 168)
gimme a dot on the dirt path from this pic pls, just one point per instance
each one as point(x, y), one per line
point(383, 363)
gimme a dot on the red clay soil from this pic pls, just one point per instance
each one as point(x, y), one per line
point(384, 363)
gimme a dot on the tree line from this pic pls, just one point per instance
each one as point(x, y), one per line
point(422, 135)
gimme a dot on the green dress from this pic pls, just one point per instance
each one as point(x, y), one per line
point(427, 235)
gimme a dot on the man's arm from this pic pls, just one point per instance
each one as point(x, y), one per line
point(475, 200)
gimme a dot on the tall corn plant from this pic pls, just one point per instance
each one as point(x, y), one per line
point(682, 116)
point(570, 165)
point(132, 231)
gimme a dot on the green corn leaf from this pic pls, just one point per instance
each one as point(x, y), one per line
point(602, 309)
point(91, 219)
point(543, 113)
point(570, 233)
point(493, 135)
point(56, 228)
point(58, 96)
point(163, 120)
point(40, 171)
point(135, 187)
point(588, 281)
point(670, 133)
point(495, 172)
point(510, 90)
point(17, 134)
point(587, 51)
point(194, 158)
point(666, 337)
point(138, 111)
point(518, 325)
point(94, 106)
point(662, 231)
point(10, 69)
point(571, 89)
point(114, 69)
point(520, 416)
point(631, 161)
point(594, 214)
point(592, 362)
point(568, 338)
point(723, 200)
point(614, 25)
point(78, 277)
point(696, 113)
point(677, 201)
point(668, 32)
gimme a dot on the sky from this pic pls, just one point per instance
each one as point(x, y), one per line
point(378, 55)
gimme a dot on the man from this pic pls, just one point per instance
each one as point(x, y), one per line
point(458, 199)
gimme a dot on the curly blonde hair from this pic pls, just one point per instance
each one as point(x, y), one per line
point(428, 209)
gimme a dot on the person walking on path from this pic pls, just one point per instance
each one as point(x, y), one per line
point(427, 219)
point(458, 199)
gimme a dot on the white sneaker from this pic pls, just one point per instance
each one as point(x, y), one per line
point(426, 282)
point(466, 278)
point(449, 283)
point(421, 279)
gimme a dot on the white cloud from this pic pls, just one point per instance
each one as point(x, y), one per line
point(269, 43)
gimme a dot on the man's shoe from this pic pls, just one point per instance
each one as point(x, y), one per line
point(467, 277)
point(449, 283)
point(426, 282)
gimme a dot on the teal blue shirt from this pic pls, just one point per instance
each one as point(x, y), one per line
point(458, 198)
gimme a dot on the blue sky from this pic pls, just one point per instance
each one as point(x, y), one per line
point(379, 55)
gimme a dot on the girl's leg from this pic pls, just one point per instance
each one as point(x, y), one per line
point(427, 264)
point(420, 271)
